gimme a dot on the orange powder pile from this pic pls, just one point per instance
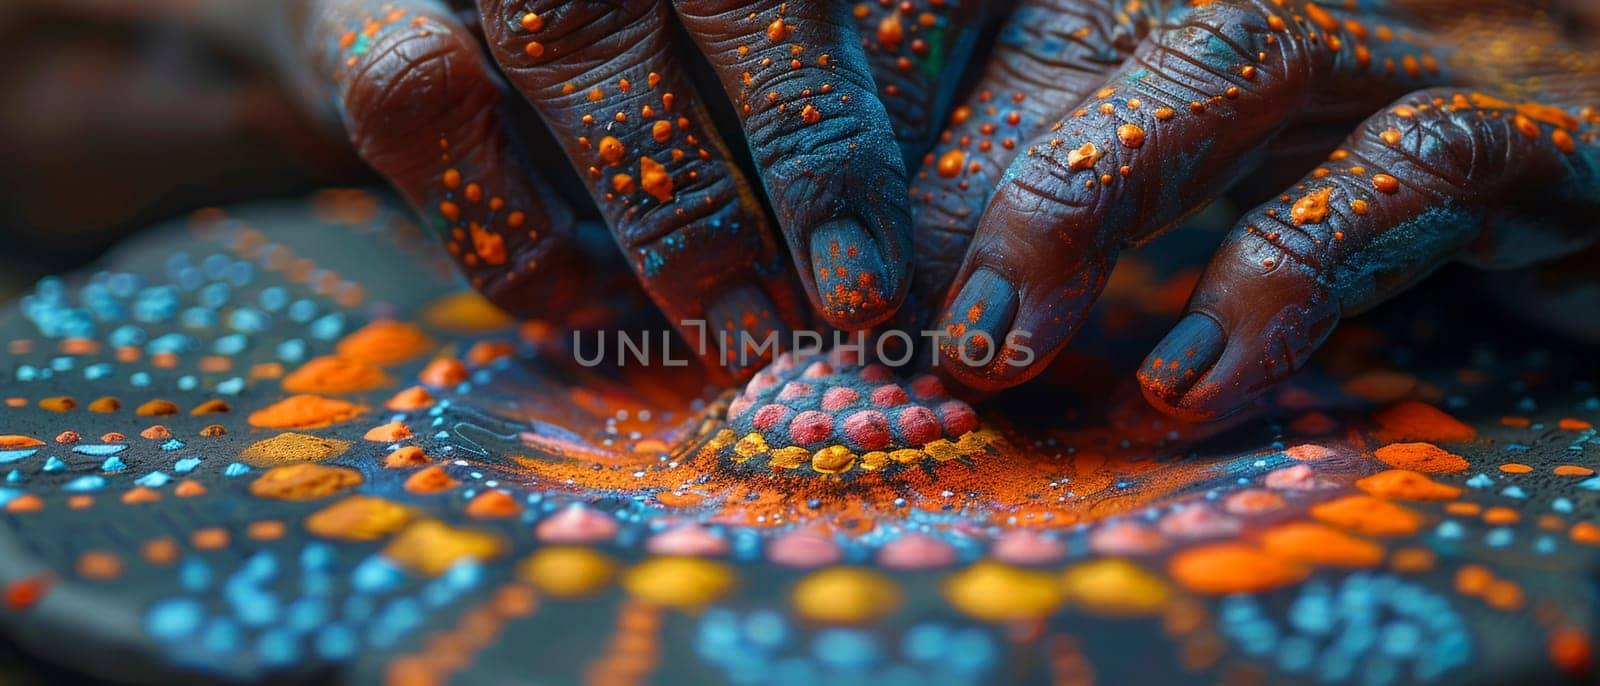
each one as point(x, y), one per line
point(1320, 545)
point(1418, 421)
point(334, 374)
point(1368, 515)
point(304, 412)
point(385, 343)
point(1223, 568)
point(1404, 484)
point(1421, 457)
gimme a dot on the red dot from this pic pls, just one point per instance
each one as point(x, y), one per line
point(23, 593)
point(876, 373)
point(928, 387)
point(889, 395)
point(769, 417)
point(795, 390)
point(919, 426)
point(958, 418)
point(818, 370)
point(838, 398)
point(868, 430)
point(810, 427)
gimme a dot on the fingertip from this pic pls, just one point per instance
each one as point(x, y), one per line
point(977, 325)
point(856, 285)
point(1174, 377)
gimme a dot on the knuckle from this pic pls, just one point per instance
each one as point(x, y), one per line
point(554, 41)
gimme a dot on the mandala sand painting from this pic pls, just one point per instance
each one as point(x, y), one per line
point(283, 443)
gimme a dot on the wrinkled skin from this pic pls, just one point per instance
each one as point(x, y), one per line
point(1091, 127)
point(428, 103)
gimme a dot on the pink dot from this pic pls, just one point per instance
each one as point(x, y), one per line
point(889, 395)
point(846, 357)
point(958, 418)
point(919, 426)
point(868, 430)
point(928, 387)
point(1021, 546)
point(738, 406)
point(760, 382)
point(784, 363)
point(818, 370)
point(838, 398)
point(795, 390)
point(577, 524)
point(916, 551)
point(810, 427)
point(769, 416)
point(689, 539)
point(799, 549)
point(876, 373)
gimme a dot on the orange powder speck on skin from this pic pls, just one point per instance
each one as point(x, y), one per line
point(334, 374)
point(1318, 544)
point(1419, 421)
point(413, 398)
point(161, 551)
point(266, 530)
point(304, 412)
point(385, 343)
point(1404, 484)
point(1368, 515)
point(429, 481)
point(1421, 457)
point(1223, 568)
point(1504, 595)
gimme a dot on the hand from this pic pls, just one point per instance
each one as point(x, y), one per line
point(615, 83)
point(1101, 123)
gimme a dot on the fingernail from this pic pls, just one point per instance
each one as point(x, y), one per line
point(854, 285)
point(981, 314)
point(1182, 358)
point(738, 324)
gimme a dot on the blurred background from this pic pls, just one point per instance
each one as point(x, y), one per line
point(118, 113)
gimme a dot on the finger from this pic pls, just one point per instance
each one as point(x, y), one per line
point(797, 76)
point(1212, 91)
point(1442, 174)
point(1047, 57)
point(610, 81)
point(917, 55)
point(423, 110)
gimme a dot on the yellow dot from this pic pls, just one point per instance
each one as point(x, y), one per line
point(845, 595)
point(995, 592)
point(1116, 587)
point(567, 572)
point(680, 582)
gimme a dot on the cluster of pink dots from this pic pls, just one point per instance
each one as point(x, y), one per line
point(865, 407)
